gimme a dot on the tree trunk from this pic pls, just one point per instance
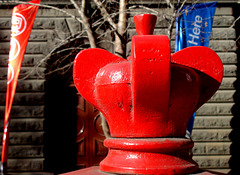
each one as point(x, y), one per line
point(120, 41)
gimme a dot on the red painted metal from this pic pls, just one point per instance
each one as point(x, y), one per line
point(148, 100)
point(96, 171)
point(145, 24)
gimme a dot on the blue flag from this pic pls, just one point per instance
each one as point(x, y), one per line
point(194, 25)
point(193, 28)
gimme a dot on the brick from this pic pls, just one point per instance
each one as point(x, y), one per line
point(25, 72)
point(59, 25)
point(215, 148)
point(25, 138)
point(207, 135)
point(29, 60)
point(39, 23)
point(5, 23)
point(5, 35)
point(25, 85)
point(223, 96)
point(74, 26)
point(25, 151)
point(217, 45)
point(32, 48)
point(215, 109)
point(41, 35)
point(30, 85)
point(199, 148)
point(217, 33)
point(229, 70)
point(227, 83)
point(222, 45)
point(4, 60)
point(223, 33)
point(107, 46)
point(32, 73)
point(25, 124)
point(25, 164)
point(223, 21)
point(3, 85)
point(211, 122)
point(54, 13)
point(62, 28)
point(228, 57)
point(44, 23)
point(24, 111)
point(212, 161)
point(218, 148)
point(25, 98)
point(219, 21)
point(36, 35)
point(222, 11)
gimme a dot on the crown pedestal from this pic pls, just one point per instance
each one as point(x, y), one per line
point(147, 100)
point(149, 156)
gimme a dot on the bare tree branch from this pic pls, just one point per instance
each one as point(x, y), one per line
point(105, 14)
point(119, 28)
point(53, 51)
point(173, 19)
point(180, 8)
point(85, 22)
point(120, 50)
point(170, 4)
point(68, 66)
point(234, 22)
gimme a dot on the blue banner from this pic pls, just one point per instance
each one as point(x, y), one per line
point(194, 25)
point(193, 28)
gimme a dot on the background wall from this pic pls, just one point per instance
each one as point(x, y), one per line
point(29, 134)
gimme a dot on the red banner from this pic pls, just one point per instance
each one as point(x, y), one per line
point(23, 16)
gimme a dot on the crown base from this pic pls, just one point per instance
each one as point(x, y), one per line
point(149, 156)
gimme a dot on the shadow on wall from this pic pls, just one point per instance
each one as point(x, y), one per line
point(235, 122)
point(60, 121)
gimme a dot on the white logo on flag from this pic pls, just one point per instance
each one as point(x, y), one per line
point(19, 24)
point(10, 73)
point(14, 49)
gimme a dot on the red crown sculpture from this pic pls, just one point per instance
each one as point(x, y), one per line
point(148, 100)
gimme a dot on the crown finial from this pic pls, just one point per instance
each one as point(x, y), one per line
point(145, 24)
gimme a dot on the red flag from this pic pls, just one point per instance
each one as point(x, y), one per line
point(23, 16)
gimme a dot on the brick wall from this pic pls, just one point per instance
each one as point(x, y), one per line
point(212, 124)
